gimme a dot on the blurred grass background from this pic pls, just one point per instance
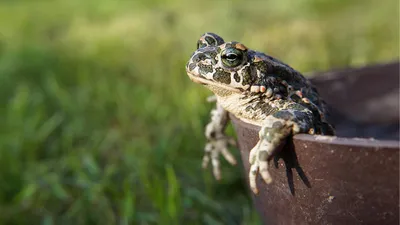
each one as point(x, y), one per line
point(100, 124)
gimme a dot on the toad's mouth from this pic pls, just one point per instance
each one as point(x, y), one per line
point(201, 80)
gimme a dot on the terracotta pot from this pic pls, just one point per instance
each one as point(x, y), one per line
point(349, 179)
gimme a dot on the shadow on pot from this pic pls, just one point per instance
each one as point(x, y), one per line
point(352, 178)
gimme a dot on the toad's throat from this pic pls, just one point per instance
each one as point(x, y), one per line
point(249, 109)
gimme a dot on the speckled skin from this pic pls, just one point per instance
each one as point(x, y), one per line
point(259, 90)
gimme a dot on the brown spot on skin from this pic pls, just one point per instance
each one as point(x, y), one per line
point(241, 47)
point(299, 93)
point(231, 44)
point(257, 59)
point(306, 100)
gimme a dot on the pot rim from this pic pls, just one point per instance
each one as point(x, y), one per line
point(371, 143)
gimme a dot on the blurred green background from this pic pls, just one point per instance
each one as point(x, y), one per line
point(100, 123)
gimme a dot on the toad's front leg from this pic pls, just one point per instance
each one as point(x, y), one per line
point(274, 132)
point(217, 141)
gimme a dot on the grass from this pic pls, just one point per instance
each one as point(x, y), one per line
point(101, 124)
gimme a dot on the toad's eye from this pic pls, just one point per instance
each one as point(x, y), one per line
point(232, 57)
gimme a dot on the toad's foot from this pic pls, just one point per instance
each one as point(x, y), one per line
point(272, 134)
point(212, 151)
point(218, 143)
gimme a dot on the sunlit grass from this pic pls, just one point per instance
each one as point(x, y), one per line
point(101, 124)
